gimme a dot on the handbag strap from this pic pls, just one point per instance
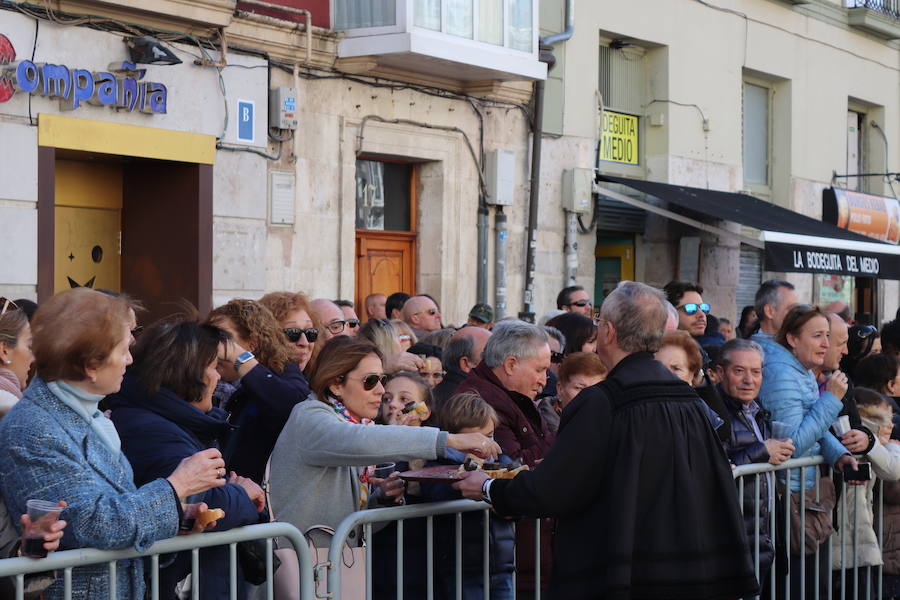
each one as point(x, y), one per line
point(266, 484)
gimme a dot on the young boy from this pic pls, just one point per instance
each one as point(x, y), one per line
point(469, 413)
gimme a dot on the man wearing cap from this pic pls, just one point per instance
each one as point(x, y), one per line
point(481, 315)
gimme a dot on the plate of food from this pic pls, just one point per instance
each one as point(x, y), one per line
point(450, 473)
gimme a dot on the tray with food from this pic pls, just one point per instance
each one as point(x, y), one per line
point(450, 473)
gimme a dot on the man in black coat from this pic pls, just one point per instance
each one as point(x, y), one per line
point(643, 493)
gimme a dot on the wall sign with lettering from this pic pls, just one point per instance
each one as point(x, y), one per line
point(119, 87)
point(619, 138)
point(793, 258)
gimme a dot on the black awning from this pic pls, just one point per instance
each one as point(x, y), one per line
point(793, 242)
point(738, 208)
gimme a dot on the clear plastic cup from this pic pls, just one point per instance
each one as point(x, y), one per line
point(781, 431)
point(43, 515)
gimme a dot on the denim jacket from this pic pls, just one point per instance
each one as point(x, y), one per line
point(791, 394)
point(48, 451)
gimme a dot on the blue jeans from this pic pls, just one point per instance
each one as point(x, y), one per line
point(473, 587)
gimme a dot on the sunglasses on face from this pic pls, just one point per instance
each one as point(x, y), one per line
point(293, 334)
point(866, 332)
point(430, 311)
point(7, 305)
point(556, 357)
point(370, 381)
point(352, 323)
point(580, 303)
point(691, 308)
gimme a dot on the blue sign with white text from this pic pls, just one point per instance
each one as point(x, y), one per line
point(245, 121)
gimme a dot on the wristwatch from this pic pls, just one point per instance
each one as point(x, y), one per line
point(486, 490)
point(243, 357)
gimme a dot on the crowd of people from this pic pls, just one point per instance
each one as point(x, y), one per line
point(629, 419)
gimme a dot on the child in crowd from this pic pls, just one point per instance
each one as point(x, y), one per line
point(469, 413)
point(407, 400)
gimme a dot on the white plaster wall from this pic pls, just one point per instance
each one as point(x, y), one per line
point(18, 210)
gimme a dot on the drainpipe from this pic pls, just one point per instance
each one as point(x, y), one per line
point(483, 214)
point(571, 248)
point(500, 264)
point(546, 48)
point(565, 34)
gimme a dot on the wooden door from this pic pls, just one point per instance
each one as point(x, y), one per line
point(386, 229)
point(385, 263)
point(88, 224)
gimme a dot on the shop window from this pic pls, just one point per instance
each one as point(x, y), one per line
point(756, 127)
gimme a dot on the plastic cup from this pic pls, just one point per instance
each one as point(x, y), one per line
point(384, 469)
point(781, 431)
point(42, 515)
point(842, 424)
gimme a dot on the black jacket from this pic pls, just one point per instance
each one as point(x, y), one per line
point(646, 503)
point(743, 448)
point(259, 409)
point(442, 391)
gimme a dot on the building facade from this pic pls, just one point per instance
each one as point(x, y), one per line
point(766, 97)
point(343, 148)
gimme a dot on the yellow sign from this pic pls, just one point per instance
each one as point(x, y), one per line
point(619, 138)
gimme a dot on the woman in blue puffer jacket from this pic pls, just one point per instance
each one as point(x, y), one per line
point(790, 392)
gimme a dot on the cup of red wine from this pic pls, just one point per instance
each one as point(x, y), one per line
point(42, 515)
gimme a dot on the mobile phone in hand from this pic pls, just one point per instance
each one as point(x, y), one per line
point(864, 473)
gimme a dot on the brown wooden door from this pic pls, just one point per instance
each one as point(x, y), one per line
point(385, 263)
point(386, 229)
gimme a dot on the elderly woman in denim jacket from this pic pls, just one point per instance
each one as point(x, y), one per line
point(56, 445)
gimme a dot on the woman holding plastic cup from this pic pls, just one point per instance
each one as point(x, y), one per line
point(55, 445)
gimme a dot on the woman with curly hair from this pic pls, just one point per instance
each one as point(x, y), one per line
point(291, 310)
point(260, 363)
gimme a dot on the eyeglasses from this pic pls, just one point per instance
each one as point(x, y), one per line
point(370, 381)
point(137, 331)
point(580, 303)
point(432, 375)
point(866, 331)
point(7, 305)
point(335, 326)
point(430, 311)
point(691, 308)
point(352, 323)
point(293, 334)
point(556, 357)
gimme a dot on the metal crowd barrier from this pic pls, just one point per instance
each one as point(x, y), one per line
point(66, 560)
point(366, 518)
point(778, 581)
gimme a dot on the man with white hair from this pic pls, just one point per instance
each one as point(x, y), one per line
point(512, 372)
point(643, 494)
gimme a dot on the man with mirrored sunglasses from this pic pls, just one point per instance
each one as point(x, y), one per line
point(686, 297)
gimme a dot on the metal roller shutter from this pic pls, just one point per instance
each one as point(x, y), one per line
point(749, 277)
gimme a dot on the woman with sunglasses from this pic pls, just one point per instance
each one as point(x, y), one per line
point(321, 465)
point(15, 353)
point(259, 361)
point(292, 312)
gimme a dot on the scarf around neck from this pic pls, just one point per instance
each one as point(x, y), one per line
point(10, 383)
point(366, 472)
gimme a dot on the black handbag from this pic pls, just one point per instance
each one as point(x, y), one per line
point(252, 556)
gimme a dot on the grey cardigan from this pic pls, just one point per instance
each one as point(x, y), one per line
point(315, 466)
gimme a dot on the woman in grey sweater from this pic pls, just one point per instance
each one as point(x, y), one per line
point(320, 465)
